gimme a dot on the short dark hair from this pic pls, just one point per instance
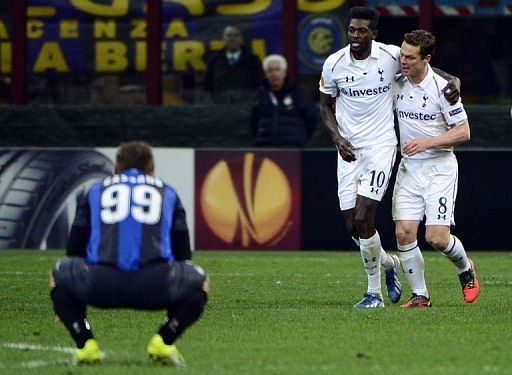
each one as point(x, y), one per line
point(233, 26)
point(365, 13)
point(135, 154)
point(424, 39)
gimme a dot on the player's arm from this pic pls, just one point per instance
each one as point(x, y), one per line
point(80, 230)
point(344, 147)
point(452, 89)
point(455, 136)
point(180, 239)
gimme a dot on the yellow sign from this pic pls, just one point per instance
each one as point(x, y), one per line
point(259, 214)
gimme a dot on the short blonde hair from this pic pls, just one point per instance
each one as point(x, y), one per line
point(275, 58)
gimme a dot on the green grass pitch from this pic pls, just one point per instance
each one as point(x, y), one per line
point(275, 313)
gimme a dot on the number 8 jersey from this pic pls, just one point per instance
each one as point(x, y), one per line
point(129, 220)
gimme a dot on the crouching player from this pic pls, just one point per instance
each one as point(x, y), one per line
point(426, 183)
point(129, 248)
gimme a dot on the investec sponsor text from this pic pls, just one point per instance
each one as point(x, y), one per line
point(366, 92)
point(417, 115)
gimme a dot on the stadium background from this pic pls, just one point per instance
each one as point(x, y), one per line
point(86, 73)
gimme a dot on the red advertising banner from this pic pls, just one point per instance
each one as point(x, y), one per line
point(247, 200)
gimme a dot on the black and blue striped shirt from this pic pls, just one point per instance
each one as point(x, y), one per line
point(128, 220)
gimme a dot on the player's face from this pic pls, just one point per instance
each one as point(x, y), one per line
point(360, 37)
point(275, 75)
point(233, 38)
point(411, 62)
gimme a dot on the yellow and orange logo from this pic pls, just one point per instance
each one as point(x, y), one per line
point(254, 207)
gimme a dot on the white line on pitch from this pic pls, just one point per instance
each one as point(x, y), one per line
point(24, 346)
point(41, 363)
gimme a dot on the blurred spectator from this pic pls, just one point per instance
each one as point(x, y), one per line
point(232, 73)
point(283, 114)
point(5, 89)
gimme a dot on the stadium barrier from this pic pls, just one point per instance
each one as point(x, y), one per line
point(238, 198)
point(195, 126)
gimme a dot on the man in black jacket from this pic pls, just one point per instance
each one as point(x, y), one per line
point(233, 73)
point(283, 114)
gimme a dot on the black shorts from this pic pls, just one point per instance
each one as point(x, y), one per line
point(155, 286)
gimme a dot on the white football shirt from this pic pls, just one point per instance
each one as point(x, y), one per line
point(423, 111)
point(363, 91)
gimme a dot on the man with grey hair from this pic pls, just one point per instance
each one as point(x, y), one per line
point(275, 58)
point(283, 114)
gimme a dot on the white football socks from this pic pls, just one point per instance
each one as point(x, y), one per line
point(370, 249)
point(457, 254)
point(386, 260)
point(414, 267)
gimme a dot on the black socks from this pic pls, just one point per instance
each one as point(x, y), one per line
point(182, 316)
point(72, 313)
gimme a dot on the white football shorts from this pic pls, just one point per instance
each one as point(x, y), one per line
point(367, 176)
point(426, 187)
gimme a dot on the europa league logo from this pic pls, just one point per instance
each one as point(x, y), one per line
point(247, 201)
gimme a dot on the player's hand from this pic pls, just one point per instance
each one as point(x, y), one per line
point(345, 149)
point(452, 91)
point(416, 145)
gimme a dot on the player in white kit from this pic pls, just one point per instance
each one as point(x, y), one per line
point(357, 106)
point(426, 183)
